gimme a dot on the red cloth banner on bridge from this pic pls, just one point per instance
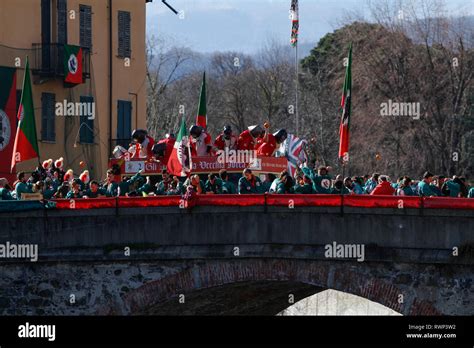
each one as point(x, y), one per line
point(304, 200)
point(158, 201)
point(231, 200)
point(359, 201)
point(82, 203)
point(368, 201)
point(448, 203)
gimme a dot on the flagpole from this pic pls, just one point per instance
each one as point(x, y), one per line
point(296, 89)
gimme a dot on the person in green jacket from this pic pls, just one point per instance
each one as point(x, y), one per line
point(127, 185)
point(48, 190)
point(143, 189)
point(194, 184)
point(322, 181)
point(451, 187)
point(176, 187)
point(339, 188)
point(404, 187)
point(285, 183)
point(163, 186)
point(94, 190)
point(249, 183)
point(213, 185)
point(22, 186)
point(228, 187)
point(424, 187)
point(304, 184)
point(75, 191)
point(111, 186)
point(5, 194)
point(471, 193)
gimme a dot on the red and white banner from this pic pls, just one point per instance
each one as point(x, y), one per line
point(204, 165)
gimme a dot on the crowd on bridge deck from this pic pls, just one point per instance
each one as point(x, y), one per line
point(56, 184)
point(52, 182)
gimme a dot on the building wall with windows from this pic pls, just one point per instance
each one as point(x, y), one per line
point(29, 26)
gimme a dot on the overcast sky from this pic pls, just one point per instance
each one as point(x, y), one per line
point(242, 25)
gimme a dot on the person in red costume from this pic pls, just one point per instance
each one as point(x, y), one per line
point(201, 141)
point(143, 144)
point(383, 188)
point(162, 150)
point(226, 140)
point(248, 138)
point(267, 145)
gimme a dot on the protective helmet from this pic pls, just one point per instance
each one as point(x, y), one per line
point(159, 149)
point(256, 131)
point(139, 135)
point(227, 131)
point(280, 136)
point(195, 131)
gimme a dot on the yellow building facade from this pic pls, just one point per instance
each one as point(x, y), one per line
point(111, 34)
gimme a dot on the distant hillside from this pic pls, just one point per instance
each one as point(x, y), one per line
point(202, 61)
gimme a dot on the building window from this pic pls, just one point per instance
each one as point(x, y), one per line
point(62, 21)
point(48, 131)
point(85, 26)
point(46, 35)
point(86, 132)
point(124, 123)
point(124, 48)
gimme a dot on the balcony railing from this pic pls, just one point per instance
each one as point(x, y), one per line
point(48, 60)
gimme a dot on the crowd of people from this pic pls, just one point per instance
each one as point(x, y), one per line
point(256, 137)
point(53, 183)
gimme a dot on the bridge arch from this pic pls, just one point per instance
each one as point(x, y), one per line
point(269, 282)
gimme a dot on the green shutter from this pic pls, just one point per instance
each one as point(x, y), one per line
point(85, 26)
point(86, 133)
point(124, 34)
point(48, 121)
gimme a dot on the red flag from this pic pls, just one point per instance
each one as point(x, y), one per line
point(7, 120)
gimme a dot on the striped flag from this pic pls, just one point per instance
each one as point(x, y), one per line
point(294, 152)
point(180, 162)
point(295, 25)
point(26, 143)
point(201, 118)
point(346, 109)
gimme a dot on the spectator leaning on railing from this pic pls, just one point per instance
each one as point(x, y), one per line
point(250, 183)
point(5, 194)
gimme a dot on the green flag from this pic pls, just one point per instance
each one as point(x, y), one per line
point(201, 119)
point(26, 143)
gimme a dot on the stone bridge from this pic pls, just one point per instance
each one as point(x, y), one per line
point(235, 260)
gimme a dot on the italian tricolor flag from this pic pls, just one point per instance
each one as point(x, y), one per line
point(346, 109)
point(201, 119)
point(26, 143)
point(180, 163)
